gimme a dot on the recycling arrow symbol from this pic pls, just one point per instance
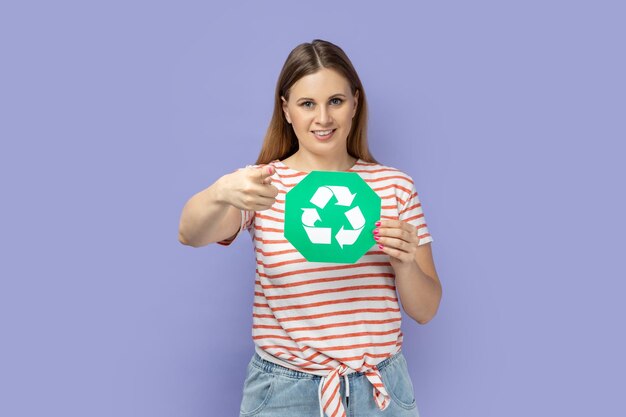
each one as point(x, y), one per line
point(322, 235)
point(349, 205)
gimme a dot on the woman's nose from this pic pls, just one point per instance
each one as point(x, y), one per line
point(324, 116)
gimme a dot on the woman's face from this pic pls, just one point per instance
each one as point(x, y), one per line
point(318, 103)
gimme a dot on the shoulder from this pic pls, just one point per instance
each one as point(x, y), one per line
point(383, 172)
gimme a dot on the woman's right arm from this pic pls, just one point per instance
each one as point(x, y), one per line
point(214, 214)
point(208, 218)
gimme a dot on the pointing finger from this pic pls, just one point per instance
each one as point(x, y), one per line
point(265, 173)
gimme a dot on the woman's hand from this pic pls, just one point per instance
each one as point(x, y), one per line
point(398, 240)
point(248, 188)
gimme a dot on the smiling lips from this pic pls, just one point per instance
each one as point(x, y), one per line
point(323, 134)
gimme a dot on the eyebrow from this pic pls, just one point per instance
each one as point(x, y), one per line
point(334, 95)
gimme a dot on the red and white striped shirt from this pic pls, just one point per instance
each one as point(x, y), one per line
point(329, 319)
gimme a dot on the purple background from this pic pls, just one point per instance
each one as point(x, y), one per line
point(506, 114)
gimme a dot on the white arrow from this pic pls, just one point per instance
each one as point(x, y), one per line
point(355, 217)
point(321, 197)
point(318, 234)
point(344, 197)
point(310, 216)
point(347, 237)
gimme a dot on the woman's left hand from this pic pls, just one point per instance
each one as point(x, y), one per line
point(398, 240)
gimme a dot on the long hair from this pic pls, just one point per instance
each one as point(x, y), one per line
point(307, 58)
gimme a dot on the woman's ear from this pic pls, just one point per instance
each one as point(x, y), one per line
point(356, 102)
point(285, 109)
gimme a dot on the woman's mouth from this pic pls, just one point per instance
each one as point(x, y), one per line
point(323, 134)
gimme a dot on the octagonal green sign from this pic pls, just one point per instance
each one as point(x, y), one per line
point(330, 215)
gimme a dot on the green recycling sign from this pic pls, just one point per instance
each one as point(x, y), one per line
point(330, 215)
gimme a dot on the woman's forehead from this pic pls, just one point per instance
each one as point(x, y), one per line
point(322, 84)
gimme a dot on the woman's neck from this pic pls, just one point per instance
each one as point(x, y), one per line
point(307, 163)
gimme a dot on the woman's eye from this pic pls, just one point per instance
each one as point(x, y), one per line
point(336, 98)
point(304, 104)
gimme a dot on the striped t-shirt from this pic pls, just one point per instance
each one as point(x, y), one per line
point(329, 319)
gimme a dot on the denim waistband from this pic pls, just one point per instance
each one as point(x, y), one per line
point(275, 368)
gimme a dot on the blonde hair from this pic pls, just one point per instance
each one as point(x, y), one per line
point(307, 58)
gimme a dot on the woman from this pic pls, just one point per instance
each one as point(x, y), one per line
point(327, 336)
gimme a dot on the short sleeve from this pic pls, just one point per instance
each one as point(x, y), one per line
point(412, 212)
point(247, 218)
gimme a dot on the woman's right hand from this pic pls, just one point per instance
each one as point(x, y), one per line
point(249, 188)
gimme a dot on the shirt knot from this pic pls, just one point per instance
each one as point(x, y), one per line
point(330, 398)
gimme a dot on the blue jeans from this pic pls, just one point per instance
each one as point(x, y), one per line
point(271, 390)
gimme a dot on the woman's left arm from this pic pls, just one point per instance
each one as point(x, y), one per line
point(417, 281)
